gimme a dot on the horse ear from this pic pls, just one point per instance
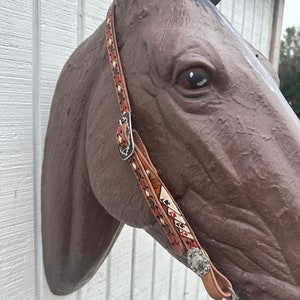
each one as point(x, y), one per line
point(215, 2)
point(78, 232)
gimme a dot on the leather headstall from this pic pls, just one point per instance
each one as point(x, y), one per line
point(160, 201)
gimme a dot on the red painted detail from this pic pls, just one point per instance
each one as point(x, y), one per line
point(123, 105)
point(172, 214)
point(183, 233)
point(112, 55)
point(143, 184)
point(117, 80)
point(156, 212)
point(193, 245)
point(119, 130)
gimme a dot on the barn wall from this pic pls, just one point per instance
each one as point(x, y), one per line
point(37, 37)
point(253, 19)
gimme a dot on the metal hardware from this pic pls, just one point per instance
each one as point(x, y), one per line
point(198, 261)
point(234, 296)
point(126, 145)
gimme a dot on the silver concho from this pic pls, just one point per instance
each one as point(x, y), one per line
point(198, 261)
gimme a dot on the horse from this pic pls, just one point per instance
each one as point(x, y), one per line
point(227, 148)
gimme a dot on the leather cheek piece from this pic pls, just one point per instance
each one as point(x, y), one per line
point(160, 201)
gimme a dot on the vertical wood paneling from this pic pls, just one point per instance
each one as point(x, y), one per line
point(249, 20)
point(17, 278)
point(80, 21)
point(226, 9)
point(121, 266)
point(36, 141)
point(253, 19)
point(177, 280)
point(58, 38)
point(237, 15)
point(257, 23)
point(58, 41)
point(190, 285)
point(142, 268)
point(267, 26)
point(95, 13)
point(161, 279)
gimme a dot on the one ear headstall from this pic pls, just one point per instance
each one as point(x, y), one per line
point(160, 201)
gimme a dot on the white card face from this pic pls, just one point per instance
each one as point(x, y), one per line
point(175, 215)
point(166, 200)
point(182, 226)
point(186, 234)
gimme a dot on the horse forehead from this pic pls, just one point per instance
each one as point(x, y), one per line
point(199, 38)
point(213, 39)
point(187, 25)
point(170, 35)
point(181, 16)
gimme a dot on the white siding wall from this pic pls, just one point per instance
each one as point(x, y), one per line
point(253, 19)
point(37, 37)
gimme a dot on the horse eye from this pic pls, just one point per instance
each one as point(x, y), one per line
point(194, 78)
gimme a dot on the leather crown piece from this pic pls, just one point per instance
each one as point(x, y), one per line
point(160, 201)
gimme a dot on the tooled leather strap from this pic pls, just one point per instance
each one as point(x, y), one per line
point(160, 201)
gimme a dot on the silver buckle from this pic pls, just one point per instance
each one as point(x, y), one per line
point(127, 150)
point(234, 296)
point(198, 261)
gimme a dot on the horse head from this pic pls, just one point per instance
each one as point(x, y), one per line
point(217, 128)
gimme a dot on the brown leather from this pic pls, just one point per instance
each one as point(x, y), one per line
point(214, 281)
